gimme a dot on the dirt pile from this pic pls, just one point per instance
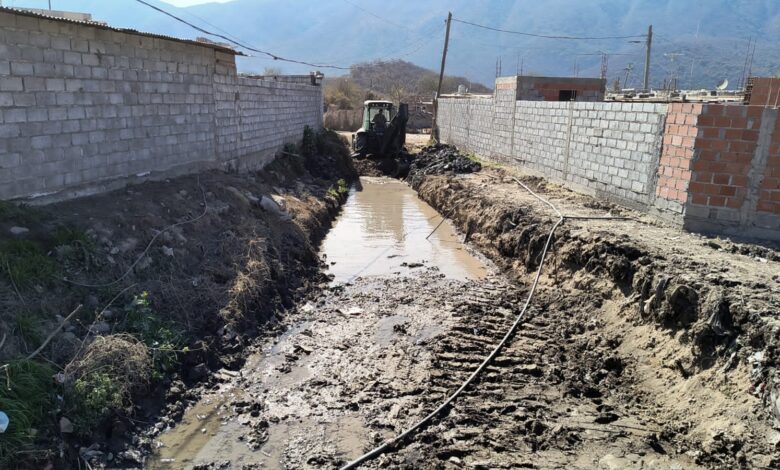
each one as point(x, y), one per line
point(693, 330)
point(178, 275)
point(442, 159)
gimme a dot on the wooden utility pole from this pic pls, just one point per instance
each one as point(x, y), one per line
point(434, 129)
point(649, 43)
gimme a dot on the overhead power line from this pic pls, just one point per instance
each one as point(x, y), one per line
point(546, 36)
point(239, 44)
point(377, 16)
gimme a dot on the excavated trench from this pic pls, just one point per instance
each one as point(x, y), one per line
point(268, 414)
point(643, 347)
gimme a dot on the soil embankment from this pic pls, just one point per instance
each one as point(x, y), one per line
point(644, 343)
point(644, 347)
point(174, 279)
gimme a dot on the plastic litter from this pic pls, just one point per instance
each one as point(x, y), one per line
point(3, 422)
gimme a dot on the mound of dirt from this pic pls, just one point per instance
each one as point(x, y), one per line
point(694, 330)
point(441, 159)
point(192, 268)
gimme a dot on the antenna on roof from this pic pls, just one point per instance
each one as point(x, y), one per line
point(723, 84)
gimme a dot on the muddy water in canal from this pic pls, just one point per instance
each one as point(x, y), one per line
point(383, 230)
point(300, 401)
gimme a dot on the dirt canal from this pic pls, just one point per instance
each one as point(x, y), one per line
point(350, 367)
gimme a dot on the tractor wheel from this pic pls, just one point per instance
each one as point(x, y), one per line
point(361, 144)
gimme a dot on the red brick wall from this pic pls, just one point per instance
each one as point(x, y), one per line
point(674, 170)
point(769, 195)
point(725, 144)
point(765, 92)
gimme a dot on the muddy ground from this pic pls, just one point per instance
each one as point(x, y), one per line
point(174, 279)
point(644, 347)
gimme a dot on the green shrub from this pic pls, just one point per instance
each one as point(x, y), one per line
point(28, 328)
point(19, 213)
point(340, 189)
point(163, 338)
point(74, 248)
point(94, 396)
point(26, 263)
point(309, 142)
point(101, 380)
point(331, 143)
point(26, 396)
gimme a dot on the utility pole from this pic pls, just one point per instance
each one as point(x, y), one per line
point(604, 65)
point(628, 70)
point(649, 44)
point(434, 130)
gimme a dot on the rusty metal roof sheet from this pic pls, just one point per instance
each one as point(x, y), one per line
point(101, 25)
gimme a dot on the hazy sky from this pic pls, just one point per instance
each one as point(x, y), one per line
point(187, 3)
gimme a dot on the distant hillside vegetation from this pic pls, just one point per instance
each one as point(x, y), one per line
point(394, 80)
point(387, 77)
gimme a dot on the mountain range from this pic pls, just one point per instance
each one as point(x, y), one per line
point(698, 42)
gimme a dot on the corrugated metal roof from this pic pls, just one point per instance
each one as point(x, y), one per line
point(100, 25)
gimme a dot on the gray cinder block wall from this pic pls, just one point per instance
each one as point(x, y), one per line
point(85, 107)
point(610, 150)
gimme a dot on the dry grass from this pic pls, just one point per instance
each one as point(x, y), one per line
point(122, 357)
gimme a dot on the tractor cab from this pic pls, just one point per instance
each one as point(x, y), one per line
point(384, 129)
point(377, 115)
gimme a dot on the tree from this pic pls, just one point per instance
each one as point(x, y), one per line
point(343, 93)
point(271, 71)
point(398, 92)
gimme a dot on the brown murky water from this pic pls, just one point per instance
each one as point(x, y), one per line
point(382, 231)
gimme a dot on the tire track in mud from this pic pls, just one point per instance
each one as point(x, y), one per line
point(545, 402)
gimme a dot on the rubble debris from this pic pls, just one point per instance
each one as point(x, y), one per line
point(442, 159)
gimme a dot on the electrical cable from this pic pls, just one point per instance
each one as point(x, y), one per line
point(387, 445)
point(546, 36)
point(148, 246)
point(378, 17)
point(411, 430)
point(239, 44)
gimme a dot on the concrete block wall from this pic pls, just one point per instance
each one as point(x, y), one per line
point(606, 149)
point(711, 168)
point(256, 117)
point(85, 108)
point(613, 149)
point(82, 104)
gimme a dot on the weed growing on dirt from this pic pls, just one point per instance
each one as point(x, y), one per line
point(95, 395)
point(25, 263)
point(331, 143)
point(102, 379)
point(340, 189)
point(19, 213)
point(309, 142)
point(163, 338)
point(28, 329)
point(74, 247)
point(26, 397)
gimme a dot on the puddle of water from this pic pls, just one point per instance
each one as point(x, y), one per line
point(386, 334)
point(182, 443)
point(383, 226)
